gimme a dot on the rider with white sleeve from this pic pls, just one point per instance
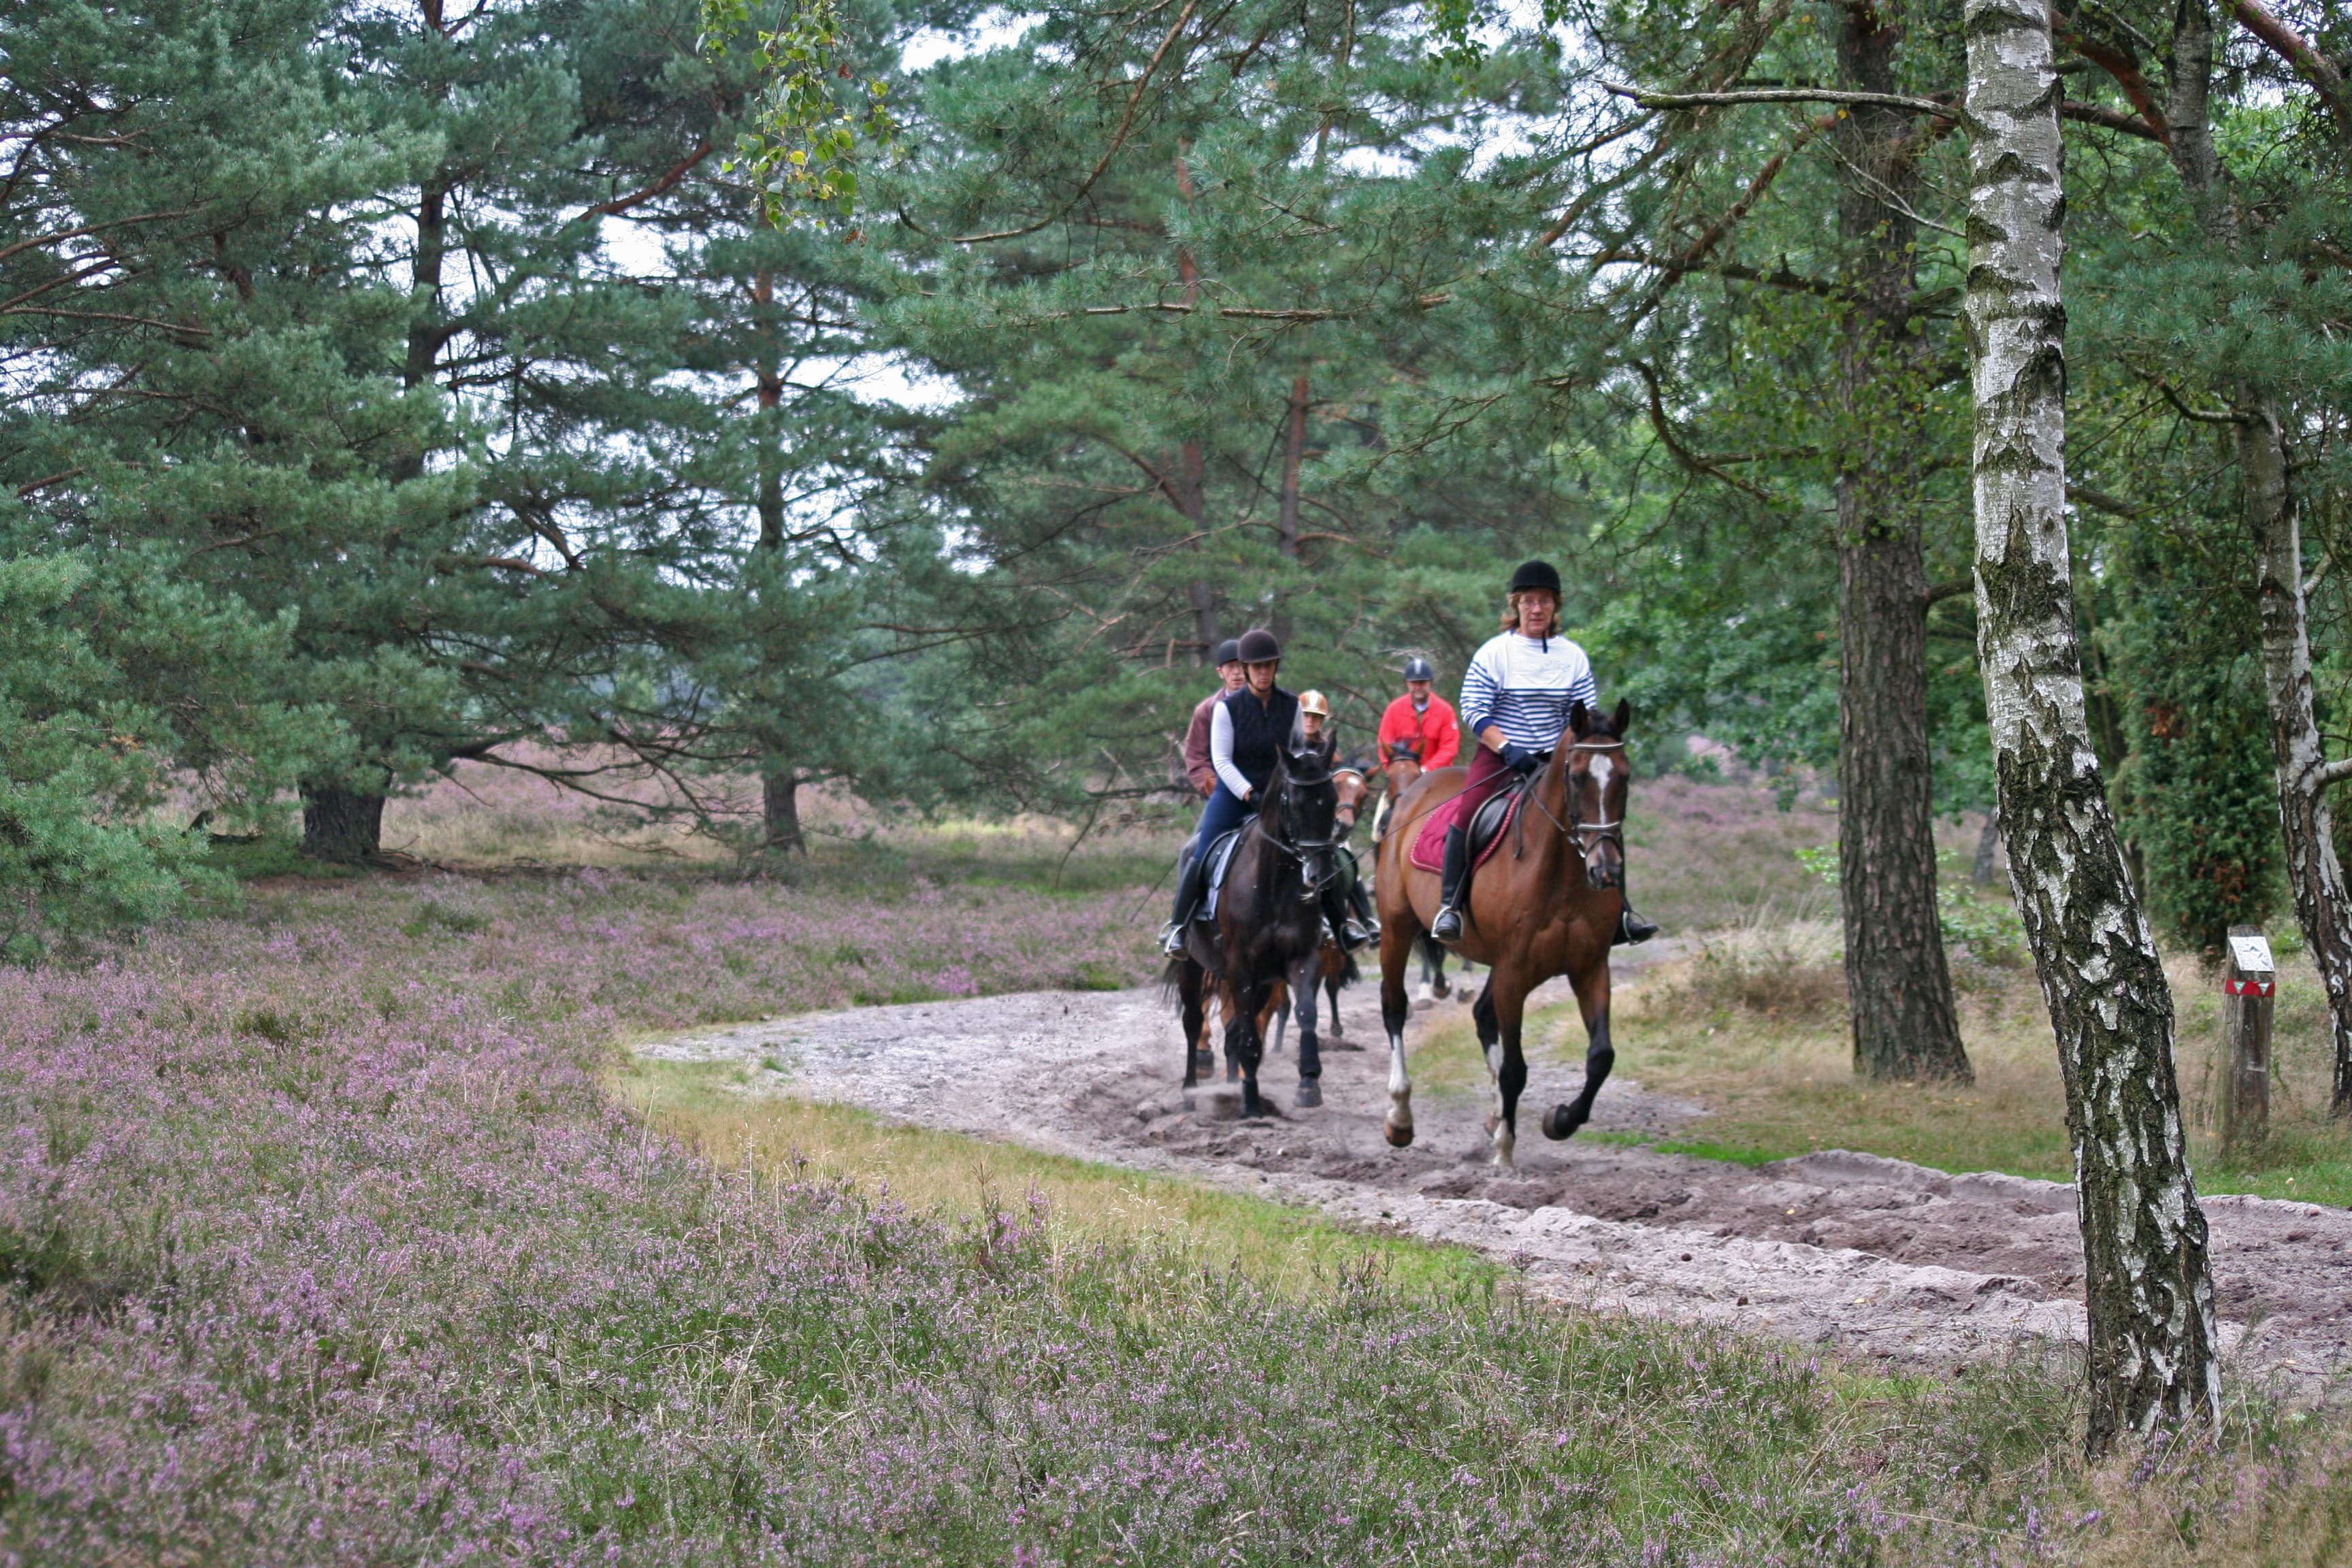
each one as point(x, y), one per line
point(1515, 695)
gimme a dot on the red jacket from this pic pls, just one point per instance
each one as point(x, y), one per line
point(1436, 733)
point(1196, 746)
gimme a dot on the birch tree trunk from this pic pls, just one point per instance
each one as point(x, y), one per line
point(2147, 1287)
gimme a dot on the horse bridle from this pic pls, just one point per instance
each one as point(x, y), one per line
point(1573, 828)
point(1300, 848)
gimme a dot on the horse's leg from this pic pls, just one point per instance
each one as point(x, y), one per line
point(1334, 976)
point(1593, 1001)
point(1189, 979)
point(1396, 951)
point(1277, 1013)
point(1248, 1049)
point(1498, 1010)
point(1310, 1052)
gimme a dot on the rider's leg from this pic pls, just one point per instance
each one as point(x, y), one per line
point(1359, 899)
point(1447, 926)
point(1487, 774)
point(1224, 810)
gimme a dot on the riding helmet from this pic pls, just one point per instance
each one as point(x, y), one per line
point(1229, 652)
point(1314, 702)
point(1535, 575)
point(1259, 645)
point(1418, 668)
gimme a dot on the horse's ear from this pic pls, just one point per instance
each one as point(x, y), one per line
point(1621, 719)
point(1579, 719)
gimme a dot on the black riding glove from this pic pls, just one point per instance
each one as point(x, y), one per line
point(1520, 760)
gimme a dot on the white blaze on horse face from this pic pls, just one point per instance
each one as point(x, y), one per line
point(1602, 768)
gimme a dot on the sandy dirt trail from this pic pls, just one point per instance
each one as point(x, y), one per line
point(1866, 1257)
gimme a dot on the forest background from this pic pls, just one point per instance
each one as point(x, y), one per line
point(394, 386)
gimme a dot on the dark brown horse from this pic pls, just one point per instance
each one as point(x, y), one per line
point(1269, 921)
point(1547, 903)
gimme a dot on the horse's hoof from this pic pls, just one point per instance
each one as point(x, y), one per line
point(1204, 1062)
point(1310, 1096)
point(1399, 1137)
point(1561, 1121)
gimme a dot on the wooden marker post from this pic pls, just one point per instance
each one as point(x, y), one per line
point(2242, 1109)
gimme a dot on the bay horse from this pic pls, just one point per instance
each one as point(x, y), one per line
point(1269, 921)
point(1548, 904)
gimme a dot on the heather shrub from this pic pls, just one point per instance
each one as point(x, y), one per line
point(319, 1242)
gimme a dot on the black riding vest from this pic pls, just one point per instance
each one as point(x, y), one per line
point(1261, 730)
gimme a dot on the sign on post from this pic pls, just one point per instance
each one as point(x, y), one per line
point(2243, 1108)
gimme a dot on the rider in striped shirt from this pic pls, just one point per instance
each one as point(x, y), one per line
point(1515, 698)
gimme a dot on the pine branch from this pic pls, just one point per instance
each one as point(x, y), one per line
point(2314, 67)
point(2114, 119)
point(620, 205)
point(1126, 124)
point(1685, 100)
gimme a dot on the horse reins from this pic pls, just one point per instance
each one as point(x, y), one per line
point(1573, 828)
point(1300, 849)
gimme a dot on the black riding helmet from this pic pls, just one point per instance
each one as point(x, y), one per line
point(1229, 652)
point(1259, 645)
point(1535, 575)
point(1419, 670)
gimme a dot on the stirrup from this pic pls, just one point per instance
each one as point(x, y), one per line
point(1632, 928)
point(1356, 933)
point(1172, 938)
point(1447, 926)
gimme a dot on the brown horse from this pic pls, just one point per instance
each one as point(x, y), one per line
point(1548, 904)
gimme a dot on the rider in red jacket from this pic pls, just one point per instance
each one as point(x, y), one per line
point(1421, 721)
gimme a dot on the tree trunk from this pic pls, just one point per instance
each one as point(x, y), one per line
point(2276, 528)
point(1989, 850)
point(779, 800)
point(339, 824)
point(1897, 982)
point(1294, 457)
point(2146, 1286)
point(1900, 987)
point(2305, 811)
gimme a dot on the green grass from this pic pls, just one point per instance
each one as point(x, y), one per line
point(717, 1109)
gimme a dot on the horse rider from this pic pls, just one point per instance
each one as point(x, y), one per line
point(1515, 695)
point(1230, 676)
point(1420, 726)
point(1348, 906)
point(1248, 729)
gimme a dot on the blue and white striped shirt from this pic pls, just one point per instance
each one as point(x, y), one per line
point(1526, 688)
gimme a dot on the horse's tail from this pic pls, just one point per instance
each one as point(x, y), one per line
point(1350, 974)
point(1171, 979)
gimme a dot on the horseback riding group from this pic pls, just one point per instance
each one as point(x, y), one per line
point(1266, 882)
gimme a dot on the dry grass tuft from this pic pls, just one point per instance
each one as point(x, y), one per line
point(1760, 969)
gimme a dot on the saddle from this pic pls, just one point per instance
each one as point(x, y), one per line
point(1486, 829)
point(1220, 856)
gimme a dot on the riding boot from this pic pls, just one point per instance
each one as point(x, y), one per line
point(1365, 924)
point(1343, 928)
point(1191, 883)
point(1447, 926)
point(1633, 928)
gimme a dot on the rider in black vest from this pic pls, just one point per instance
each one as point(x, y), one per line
point(1248, 731)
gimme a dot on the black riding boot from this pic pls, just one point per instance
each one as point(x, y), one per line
point(1361, 903)
point(1447, 926)
point(1632, 928)
point(1190, 883)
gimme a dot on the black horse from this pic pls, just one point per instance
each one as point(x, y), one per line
point(1269, 920)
